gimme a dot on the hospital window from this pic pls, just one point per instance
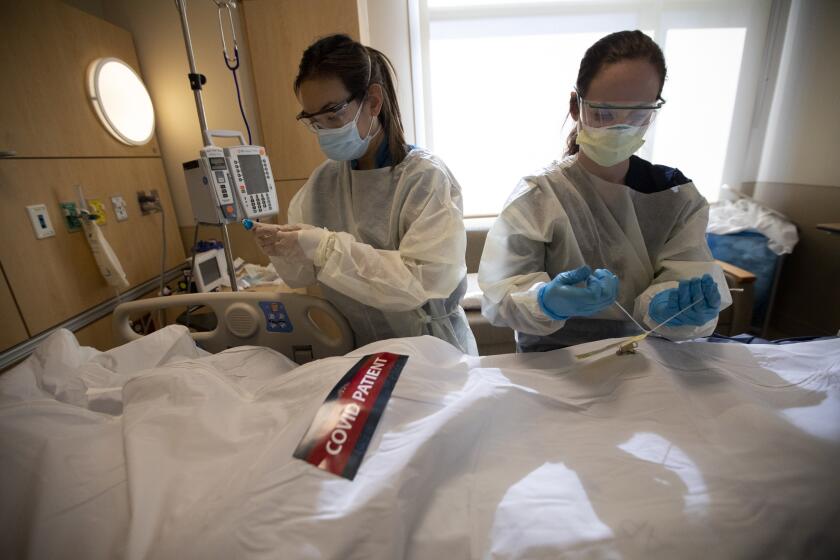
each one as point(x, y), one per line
point(497, 75)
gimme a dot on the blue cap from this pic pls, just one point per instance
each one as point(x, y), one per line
point(248, 224)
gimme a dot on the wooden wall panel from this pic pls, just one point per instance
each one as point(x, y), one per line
point(56, 278)
point(12, 330)
point(278, 32)
point(45, 49)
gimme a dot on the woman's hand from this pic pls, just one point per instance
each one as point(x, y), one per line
point(565, 297)
point(696, 300)
point(292, 242)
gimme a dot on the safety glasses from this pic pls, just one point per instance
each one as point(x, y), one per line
point(631, 113)
point(328, 117)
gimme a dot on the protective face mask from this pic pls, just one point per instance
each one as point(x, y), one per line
point(610, 145)
point(344, 144)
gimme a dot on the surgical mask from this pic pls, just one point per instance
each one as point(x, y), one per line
point(610, 145)
point(344, 143)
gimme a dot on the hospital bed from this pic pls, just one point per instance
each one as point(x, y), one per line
point(158, 449)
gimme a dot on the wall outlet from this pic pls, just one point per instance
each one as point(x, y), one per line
point(71, 216)
point(40, 221)
point(149, 202)
point(120, 210)
point(97, 207)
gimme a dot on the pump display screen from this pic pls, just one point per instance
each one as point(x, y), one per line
point(253, 173)
point(210, 271)
point(217, 163)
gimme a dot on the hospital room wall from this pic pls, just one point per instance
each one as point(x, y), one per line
point(798, 174)
point(156, 27)
point(387, 30)
point(49, 122)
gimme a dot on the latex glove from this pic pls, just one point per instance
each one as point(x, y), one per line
point(561, 298)
point(669, 302)
point(292, 242)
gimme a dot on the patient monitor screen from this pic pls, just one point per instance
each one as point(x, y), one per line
point(252, 171)
point(209, 271)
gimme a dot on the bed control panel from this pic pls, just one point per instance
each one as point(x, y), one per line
point(276, 318)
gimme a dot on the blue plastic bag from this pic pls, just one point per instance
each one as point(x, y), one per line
point(748, 250)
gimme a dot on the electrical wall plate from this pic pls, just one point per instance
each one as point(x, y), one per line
point(71, 216)
point(97, 207)
point(149, 202)
point(120, 210)
point(40, 221)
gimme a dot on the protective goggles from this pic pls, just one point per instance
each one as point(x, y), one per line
point(600, 114)
point(328, 117)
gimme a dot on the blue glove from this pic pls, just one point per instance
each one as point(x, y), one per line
point(669, 302)
point(561, 299)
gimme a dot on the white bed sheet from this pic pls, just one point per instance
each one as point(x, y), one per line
point(156, 450)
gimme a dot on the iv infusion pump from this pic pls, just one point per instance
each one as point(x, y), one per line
point(210, 188)
point(229, 184)
point(252, 179)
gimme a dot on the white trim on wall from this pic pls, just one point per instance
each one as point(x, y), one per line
point(388, 28)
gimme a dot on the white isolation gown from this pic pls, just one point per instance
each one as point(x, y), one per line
point(651, 236)
point(393, 262)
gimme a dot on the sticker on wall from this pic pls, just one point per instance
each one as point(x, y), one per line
point(97, 208)
point(71, 216)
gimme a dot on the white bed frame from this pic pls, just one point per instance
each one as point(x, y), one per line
point(278, 320)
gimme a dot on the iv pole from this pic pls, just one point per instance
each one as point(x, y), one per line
point(196, 81)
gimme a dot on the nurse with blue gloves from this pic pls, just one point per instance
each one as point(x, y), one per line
point(640, 226)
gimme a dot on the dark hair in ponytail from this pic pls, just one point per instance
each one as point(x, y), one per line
point(357, 66)
point(615, 47)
